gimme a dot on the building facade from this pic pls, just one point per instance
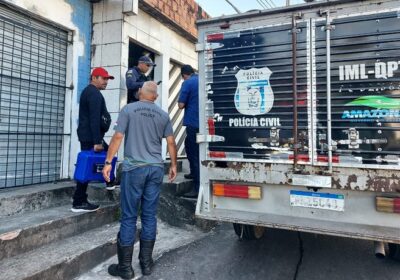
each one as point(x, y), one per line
point(47, 50)
point(45, 63)
point(165, 30)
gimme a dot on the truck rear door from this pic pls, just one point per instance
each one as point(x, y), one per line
point(252, 92)
point(365, 89)
point(268, 98)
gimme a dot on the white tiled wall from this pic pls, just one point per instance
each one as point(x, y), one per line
point(111, 35)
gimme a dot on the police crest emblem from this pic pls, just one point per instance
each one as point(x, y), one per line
point(254, 94)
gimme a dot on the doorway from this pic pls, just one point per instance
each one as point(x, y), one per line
point(135, 52)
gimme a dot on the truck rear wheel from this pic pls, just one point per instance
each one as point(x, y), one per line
point(394, 251)
point(248, 232)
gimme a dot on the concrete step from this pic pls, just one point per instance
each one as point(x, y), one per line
point(44, 240)
point(25, 232)
point(178, 187)
point(179, 166)
point(177, 210)
point(33, 198)
point(64, 259)
point(37, 197)
point(168, 238)
point(173, 209)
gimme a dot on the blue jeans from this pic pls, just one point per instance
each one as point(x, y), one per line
point(140, 186)
point(192, 152)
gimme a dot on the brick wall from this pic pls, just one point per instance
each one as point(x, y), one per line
point(183, 13)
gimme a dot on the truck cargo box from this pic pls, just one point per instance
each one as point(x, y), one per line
point(300, 118)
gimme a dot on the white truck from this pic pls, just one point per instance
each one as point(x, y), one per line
point(300, 120)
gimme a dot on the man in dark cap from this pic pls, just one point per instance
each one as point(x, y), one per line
point(189, 100)
point(135, 77)
point(94, 122)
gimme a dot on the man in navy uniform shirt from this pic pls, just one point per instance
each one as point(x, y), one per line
point(135, 77)
point(189, 100)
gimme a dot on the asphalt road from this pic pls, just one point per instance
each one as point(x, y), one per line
point(279, 255)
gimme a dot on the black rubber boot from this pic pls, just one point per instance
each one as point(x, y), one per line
point(124, 267)
point(145, 256)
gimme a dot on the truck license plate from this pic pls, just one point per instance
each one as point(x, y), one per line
point(318, 200)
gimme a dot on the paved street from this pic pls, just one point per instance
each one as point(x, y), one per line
point(276, 256)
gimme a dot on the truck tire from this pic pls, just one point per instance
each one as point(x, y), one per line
point(394, 251)
point(248, 232)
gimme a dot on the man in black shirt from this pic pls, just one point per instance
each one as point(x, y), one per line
point(94, 122)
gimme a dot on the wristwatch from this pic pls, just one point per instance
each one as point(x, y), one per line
point(107, 163)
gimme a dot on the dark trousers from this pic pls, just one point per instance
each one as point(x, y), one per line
point(192, 152)
point(80, 195)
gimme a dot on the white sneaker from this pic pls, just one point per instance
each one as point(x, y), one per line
point(110, 187)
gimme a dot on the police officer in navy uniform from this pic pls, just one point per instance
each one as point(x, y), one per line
point(189, 100)
point(135, 77)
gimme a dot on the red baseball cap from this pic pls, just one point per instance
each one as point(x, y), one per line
point(100, 71)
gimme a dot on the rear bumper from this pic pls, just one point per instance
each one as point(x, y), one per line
point(367, 232)
point(359, 219)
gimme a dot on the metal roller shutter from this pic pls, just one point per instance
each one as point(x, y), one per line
point(33, 58)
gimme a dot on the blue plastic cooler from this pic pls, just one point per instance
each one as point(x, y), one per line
point(89, 165)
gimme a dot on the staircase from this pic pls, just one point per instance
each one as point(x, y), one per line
point(40, 238)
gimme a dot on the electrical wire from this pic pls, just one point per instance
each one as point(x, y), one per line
point(262, 4)
point(268, 5)
point(272, 3)
point(233, 6)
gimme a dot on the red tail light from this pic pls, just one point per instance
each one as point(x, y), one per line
point(220, 154)
point(335, 159)
point(215, 154)
point(300, 157)
point(215, 37)
point(211, 126)
point(238, 191)
point(388, 204)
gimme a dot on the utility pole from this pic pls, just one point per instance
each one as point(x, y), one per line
point(287, 2)
point(233, 6)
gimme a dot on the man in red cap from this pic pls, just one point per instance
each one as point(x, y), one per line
point(94, 122)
